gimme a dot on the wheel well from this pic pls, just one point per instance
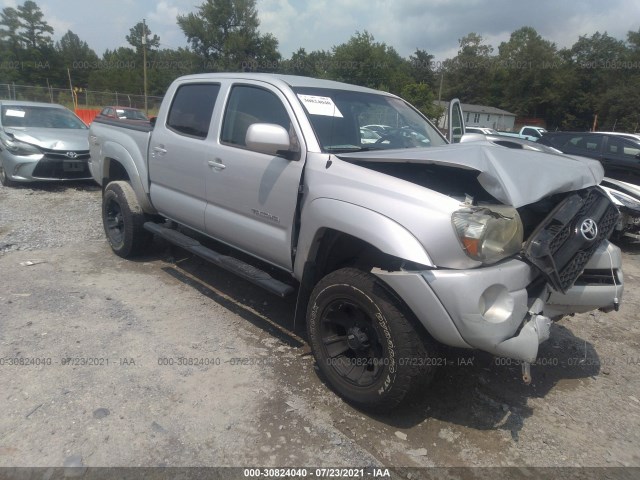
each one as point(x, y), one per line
point(338, 250)
point(114, 171)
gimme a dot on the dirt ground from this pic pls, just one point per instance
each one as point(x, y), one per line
point(167, 361)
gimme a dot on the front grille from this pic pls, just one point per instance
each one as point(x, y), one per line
point(558, 248)
point(60, 167)
point(64, 155)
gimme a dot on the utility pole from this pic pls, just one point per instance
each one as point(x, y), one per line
point(144, 63)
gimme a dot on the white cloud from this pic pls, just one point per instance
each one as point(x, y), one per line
point(60, 26)
point(164, 14)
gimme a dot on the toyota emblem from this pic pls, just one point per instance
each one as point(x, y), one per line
point(71, 154)
point(589, 229)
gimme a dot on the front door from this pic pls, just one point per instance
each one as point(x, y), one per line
point(252, 197)
point(455, 123)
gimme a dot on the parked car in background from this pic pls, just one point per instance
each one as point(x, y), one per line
point(619, 155)
point(378, 128)
point(527, 132)
point(123, 113)
point(481, 130)
point(41, 141)
point(368, 136)
point(632, 136)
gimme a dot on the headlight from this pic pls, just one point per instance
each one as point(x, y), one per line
point(488, 234)
point(19, 148)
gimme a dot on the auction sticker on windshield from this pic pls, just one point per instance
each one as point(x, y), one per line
point(316, 105)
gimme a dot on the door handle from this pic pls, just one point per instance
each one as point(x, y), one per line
point(160, 149)
point(217, 164)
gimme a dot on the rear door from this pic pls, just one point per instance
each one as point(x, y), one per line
point(178, 153)
point(621, 157)
point(579, 143)
point(251, 196)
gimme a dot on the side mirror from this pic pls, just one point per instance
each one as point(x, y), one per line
point(268, 138)
point(152, 121)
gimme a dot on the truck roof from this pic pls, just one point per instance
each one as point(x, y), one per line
point(290, 80)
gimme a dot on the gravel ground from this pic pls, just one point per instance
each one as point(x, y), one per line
point(78, 300)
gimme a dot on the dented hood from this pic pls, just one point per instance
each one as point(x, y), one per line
point(513, 176)
point(52, 138)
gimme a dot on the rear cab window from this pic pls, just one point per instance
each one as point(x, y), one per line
point(192, 108)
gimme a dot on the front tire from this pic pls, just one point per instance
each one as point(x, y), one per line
point(123, 220)
point(363, 342)
point(4, 180)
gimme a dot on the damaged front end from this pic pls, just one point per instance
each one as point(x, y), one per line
point(538, 256)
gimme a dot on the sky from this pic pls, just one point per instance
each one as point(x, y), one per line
point(406, 25)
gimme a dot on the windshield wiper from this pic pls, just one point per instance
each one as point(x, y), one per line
point(347, 149)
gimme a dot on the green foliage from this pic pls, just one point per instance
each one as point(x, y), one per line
point(34, 27)
point(468, 76)
point(225, 34)
point(137, 33)
point(528, 63)
point(422, 68)
point(363, 61)
point(421, 96)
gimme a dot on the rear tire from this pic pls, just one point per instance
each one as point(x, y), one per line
point(363, 342)
point(123, 220)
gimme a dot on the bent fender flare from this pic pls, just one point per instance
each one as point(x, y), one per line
point(380, 231)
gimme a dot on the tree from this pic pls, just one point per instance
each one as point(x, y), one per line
point(469, 75)
point(10, 21)
point(121, 72)
point(363, 61)
point(422, 68)
point(594, 60)
point(421, 96)
point(136, 34)
point(34, 27)
point(314, 64)
point(225, 34)
point(528, 67)
point(77, 56)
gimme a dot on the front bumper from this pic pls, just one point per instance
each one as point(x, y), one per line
point(490, 308)
point(51, 166)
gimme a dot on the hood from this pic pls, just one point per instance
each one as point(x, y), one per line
point(513, 176)
point(52, 138)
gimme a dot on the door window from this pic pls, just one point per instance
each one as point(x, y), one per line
point(248, 105)
point(620, 146)
point(591, 143)
point(191, 109)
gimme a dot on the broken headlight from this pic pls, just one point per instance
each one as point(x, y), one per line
point(17, 147)
point(488, 234)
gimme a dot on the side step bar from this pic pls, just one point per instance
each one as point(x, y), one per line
point(233, 265)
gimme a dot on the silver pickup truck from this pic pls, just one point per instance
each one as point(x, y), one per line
point(393, 246)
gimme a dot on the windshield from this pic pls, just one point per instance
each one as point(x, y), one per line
point(130, 114)
point(346, 121)
point(40, 117)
